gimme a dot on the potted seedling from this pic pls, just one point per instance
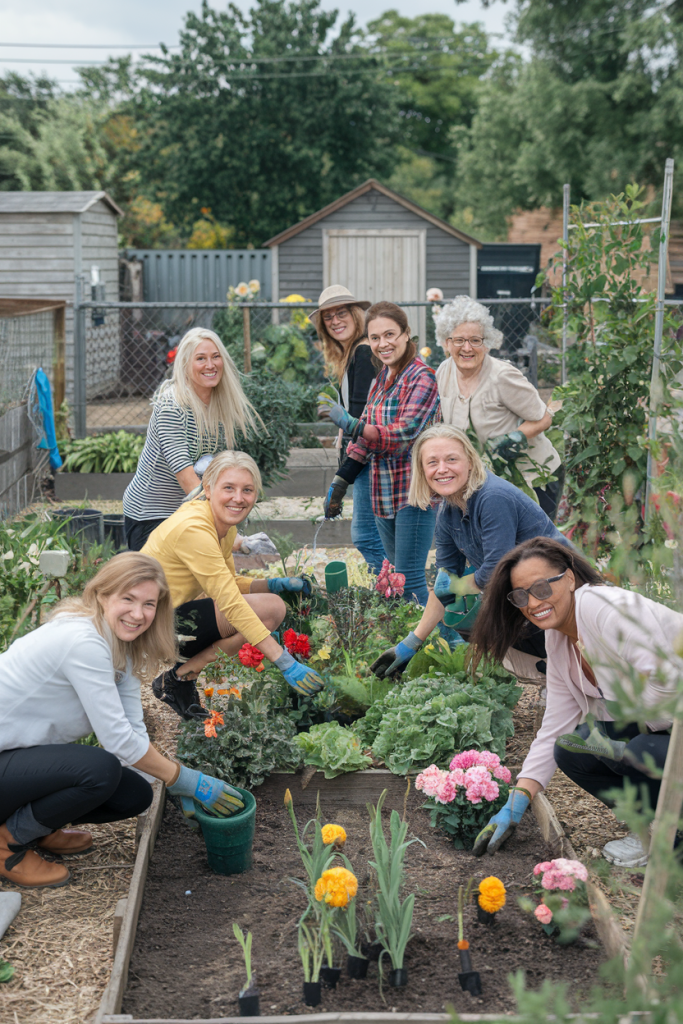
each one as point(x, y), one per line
point(490, 899)
point(311, 953)
point(394, 918)
point(469, 979)
point(249, 995)
point(345, 927)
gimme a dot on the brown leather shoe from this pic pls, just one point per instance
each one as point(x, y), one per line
point(21, 865)
point(66, 841)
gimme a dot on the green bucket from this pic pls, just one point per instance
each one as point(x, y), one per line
point(336, 577)
point(229, 840)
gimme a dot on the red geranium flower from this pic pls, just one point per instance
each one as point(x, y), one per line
point(250, 656)
point(297, 643)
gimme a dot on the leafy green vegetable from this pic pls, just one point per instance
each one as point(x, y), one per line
point(333, 748)
point(428, 719)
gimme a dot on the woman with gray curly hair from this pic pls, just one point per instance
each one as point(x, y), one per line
point(494, 398)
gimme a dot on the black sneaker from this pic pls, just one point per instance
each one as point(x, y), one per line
point(180, 694)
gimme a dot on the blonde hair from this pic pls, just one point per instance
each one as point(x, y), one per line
point(219, 463)
point(228, 405)
point(420, 491)
point(154, 649)
point(464, 310)
point(338, 353)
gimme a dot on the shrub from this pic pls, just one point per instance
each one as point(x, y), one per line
point(117, 452)
point(279, 404)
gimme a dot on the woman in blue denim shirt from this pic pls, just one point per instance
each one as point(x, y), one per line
point(480, 518)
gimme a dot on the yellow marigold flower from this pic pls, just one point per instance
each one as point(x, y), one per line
point(324, 653)
point(491, 894)
point(333, 834)
point(337, 886)
point(426, 352)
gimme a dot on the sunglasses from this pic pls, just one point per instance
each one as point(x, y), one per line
point(541, 589)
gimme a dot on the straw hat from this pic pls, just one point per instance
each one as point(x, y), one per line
point(337, 295)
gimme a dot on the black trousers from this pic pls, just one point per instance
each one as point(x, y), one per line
point(137, 531)
point(67, 783)
point(597, 775)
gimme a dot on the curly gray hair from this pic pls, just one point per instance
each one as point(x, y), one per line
point(461, 310)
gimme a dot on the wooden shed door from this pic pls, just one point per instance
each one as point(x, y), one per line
point(380, 264)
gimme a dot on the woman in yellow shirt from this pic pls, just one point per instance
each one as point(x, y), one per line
point(194, 548)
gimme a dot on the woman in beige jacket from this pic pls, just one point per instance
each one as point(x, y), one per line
point(494, 398)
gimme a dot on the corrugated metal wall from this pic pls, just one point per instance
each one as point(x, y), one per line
point(200, 275)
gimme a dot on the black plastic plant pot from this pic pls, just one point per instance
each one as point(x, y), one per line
point(357, 966)
point(249, 1006)
point(312, 993)
point(483, 916)
point(399, 977)
point(330, 976)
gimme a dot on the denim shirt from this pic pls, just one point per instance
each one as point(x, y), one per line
point(499, 517)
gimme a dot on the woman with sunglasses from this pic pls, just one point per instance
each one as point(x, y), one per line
point(480, 518)
point(494, 398)
point(599, 639)
point(340, 323)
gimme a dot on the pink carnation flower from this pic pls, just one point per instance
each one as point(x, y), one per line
point(502, 773)
point(430, 780)
point(545, 865)
point(543, 914)
point(572, 867)
point(561, 873)
point(465, 760)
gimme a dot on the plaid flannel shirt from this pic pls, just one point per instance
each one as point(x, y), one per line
point(400, 410)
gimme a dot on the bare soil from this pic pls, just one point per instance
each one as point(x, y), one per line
point(187, 964)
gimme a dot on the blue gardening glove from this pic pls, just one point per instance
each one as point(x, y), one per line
point(334, 502)
point(502, 825)
point(508, 446)
point(327, 406)
point(448, 583)
point(301, 678)
point(215, 796)
point(290, 584)
point(396, 658)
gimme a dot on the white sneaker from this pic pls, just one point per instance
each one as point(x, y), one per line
point(625, 853)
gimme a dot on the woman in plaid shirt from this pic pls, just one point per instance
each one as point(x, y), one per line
point(403, 401)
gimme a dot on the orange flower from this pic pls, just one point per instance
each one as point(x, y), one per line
point(208, 691)
point(214, 719)
point(463, 944)
point(259, 668)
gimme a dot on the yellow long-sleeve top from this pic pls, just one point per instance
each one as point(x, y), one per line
point(187, 547)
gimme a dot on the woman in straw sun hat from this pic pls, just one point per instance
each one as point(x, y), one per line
point(340, 324)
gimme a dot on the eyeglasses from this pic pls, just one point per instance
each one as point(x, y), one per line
point(540, 590)
point(340, 313)
point(459, 342)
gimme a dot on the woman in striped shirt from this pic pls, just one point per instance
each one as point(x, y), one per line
point(194, 414)
point(402, 402)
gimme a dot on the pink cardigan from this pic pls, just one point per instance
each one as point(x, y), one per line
point(619, 632)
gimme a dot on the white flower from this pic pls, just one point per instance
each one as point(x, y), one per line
point(434, 295)
point(672, 544)
point(242, 289)
point(255, 285)
point(7, 555)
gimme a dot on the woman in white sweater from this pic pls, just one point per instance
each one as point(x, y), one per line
point(599, 640)
point(80, 673)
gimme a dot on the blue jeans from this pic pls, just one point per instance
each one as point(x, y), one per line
point(364, 533)
point(407, 539)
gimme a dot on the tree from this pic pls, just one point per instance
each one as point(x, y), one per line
point(597, 105)
point(263, 118)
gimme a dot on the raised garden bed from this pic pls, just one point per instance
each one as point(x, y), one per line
point(186, 964)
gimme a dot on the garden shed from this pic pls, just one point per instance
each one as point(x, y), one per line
point(50, 239)
point(378, 244)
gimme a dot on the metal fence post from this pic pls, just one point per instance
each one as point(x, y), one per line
point(565, 266)
point(80, 411)
point(655, 387)
point(246, 320)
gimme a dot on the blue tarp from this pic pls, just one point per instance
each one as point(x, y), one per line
point(49, 440)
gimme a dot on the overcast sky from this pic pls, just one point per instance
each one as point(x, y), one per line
point(146, 23)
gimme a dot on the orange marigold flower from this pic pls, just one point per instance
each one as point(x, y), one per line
point(208, 691)
point(337, 887)
point(491, 894)
point(463, 944)
point(333, 834)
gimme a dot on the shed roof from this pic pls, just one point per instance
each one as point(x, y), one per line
point(367, 186)
point(54, 202)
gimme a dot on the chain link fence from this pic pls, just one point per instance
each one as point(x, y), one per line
point(31, 336)
point(123, 350)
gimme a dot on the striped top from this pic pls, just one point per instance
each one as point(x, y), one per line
point(172, 445)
